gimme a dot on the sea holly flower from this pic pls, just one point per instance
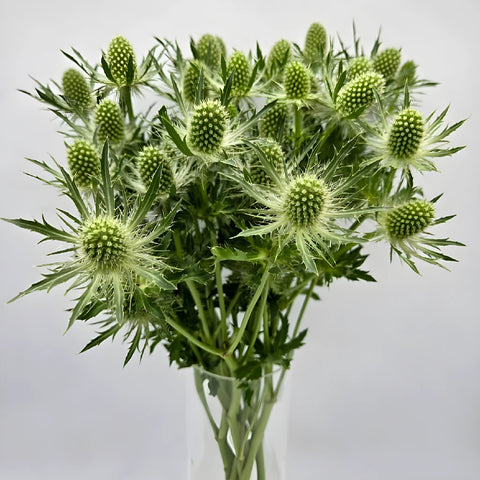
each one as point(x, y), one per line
point(386, 63)
point(191, 82)
point(83, 162)
point(121, 61)
point(279, 55)
point(275, 156)
point(239, 65)
point(109, 119)
point(149, 160)
point(296, 81)
point(315, 43)
point(76, 89)
point(274, 120)
point(358, 65)
point(210, 50)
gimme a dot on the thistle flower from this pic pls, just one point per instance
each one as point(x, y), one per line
point(296, 81)
point(359, 65)
point(149, 160)
point(274, 120)
point(239, 64)
point(274, 155)
point(76, 89)
point(121, 58)
point(110, 122)
point(315, 43)
point(210, 49)
point(386, 63)
point(83, 162)
point(279, 55)
point(191, 80)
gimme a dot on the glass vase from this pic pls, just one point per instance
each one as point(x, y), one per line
point(237, 430)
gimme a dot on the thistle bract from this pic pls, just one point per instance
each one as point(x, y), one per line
point(273, 120)
point(315, 43)
point(406, 134)
point(387, 62)
point(191, 81)
point(209, 50)
point(119, 53)
point(148, 161)
point(359, 65)
point(279, 54)
point(83, 162)
point(274, 154)
point(409, 219)
point(359, 92)
point(207, 127)
point(296, 81)
point(238, 64)
point(110, 122)
point(76, 89)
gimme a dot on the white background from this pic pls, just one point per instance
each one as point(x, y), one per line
point(388, 385)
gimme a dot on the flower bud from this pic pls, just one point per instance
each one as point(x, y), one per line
point(118, 55)
point(406, 133)
point(148, 161)
point(83, 162)
point(207, 127)
point(238, 64)
point(359, 92)
point(296, 81)
point(387, 62)
point(409, 219)
point(359, 65)
point(272, 121)
point(110, 122)
point(279, 54)
point(209, 50)
point(76, 89)
point(315, 43)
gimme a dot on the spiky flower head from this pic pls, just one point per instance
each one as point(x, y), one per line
point(76, 89)
point(207, 127)
point(191, 80)
point(273, 120)
point(119, 54)
point(296, 81)
point(406, 134)
point(315, 43)
point(274, 154)
point(408, 219)
point(359, 65)
point(359, 92)
point(239, 64)
point(279, 54)
point(209, 50)
point(110, 121)
point(148, 161)
point(83, 162)
point(387, 62)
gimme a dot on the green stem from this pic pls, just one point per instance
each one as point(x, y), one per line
point(298, 124)
point(126, 97)
point(201, 311)
point(221, 299)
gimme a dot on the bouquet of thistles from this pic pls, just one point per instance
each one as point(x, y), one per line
point(251, 180)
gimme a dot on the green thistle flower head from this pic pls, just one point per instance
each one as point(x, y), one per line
point(305, 201)
point(274, 154)
point(387, 62)
point(272, 121)
point(83, 162)
point(110, 122)
point(315, 43)
point(191, 81)
point(210, 49)
point(119, 53)
point(239, 64)
point(359, 92)
point(409, 219)
point(296, 81)
point(279, 55)
point(359, 65)
point(207, 127)
point(406, 134)
point(148, 161)
point(76, 89)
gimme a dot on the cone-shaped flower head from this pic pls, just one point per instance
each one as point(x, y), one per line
point(279, 54)
point(148, 161)
point(359, 65)
point(406, 134)
point(274, 154)
point(315, 43)
point(409, 219)
point(83, 162)
point(296, 81)
point(76, 89)
point(239, 64)
point(359, 92)
point(191, 81)
point(387, 62)
point(209, 50)
point(110, 122)
point(119, 53)
point(207, 127)
point(273, 120)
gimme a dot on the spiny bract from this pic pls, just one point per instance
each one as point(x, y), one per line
point(409, 219)
point(239, 64)
point(83, 162)
point(191, 81)
point(207, 127)
point(387, 62)
point(296, 81)
point(148, 161)
point(110, 121)
point(359, 92)
point(273, 120)
point(76, 89)
point(274, 154)
point(305, 200)
point(406, 133)
point(119, 53)
point(315, 43)
point(209, 50)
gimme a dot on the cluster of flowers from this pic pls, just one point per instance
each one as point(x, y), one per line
point(266, 166)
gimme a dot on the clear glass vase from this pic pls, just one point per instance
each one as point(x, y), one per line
point(237, 430)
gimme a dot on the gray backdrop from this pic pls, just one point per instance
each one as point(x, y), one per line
point(388, 385)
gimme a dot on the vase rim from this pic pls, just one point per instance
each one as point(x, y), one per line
point(276, 369)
